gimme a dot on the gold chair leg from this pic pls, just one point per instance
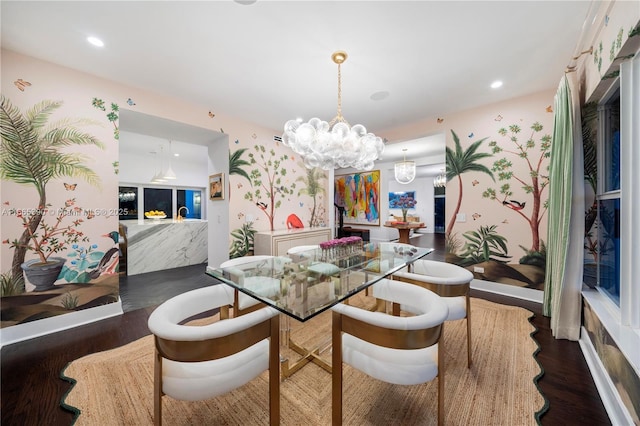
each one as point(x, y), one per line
point(441, 356)
point(468, 331)
point(274, 372)
point(157, 389)
point(224, 312)
point(336, 374)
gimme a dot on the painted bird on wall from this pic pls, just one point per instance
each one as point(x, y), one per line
point(294, 222)
point(514, 205)
point(111, 259)
point(108, 264)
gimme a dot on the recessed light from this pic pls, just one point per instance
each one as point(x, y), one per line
point(496, 84)
point(95, 41)
point(245, 2)
point(299, 120)
point(378, 96)
point(176, 155)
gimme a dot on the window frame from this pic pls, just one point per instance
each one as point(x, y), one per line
point(626, 315)
point(602, 193)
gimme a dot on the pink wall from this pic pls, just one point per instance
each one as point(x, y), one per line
point(76, 90)
point(486, 122)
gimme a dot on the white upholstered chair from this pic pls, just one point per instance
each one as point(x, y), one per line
point(194, 363)
point(394, 349)
point(299, 252)
point(243, 303)
point(449, 281)
point(298, 249)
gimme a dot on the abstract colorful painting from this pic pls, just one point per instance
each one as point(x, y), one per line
point(359, 194)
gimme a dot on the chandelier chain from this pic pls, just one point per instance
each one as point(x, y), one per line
point(339, 118)
point(336, 144)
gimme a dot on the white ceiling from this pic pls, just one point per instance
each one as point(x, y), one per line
point(270, 61)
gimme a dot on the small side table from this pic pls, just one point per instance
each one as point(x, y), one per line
point(404, 228)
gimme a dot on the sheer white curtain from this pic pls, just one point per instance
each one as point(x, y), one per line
point(565, 239)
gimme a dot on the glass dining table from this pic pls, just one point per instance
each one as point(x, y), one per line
point(303, 285)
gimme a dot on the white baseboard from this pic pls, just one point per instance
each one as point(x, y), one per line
point(33, 329)
point(618, 413)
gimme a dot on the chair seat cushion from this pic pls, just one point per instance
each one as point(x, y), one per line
point(324, 268)
point(267, 286)
point(193, 381)
point(401, 367)
point(442, 272)
point(457, 307)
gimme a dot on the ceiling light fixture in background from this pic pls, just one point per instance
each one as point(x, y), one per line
point(335, 144)
point(95, 41)
point(440, 181)
point(170, 173)
point(496, 84)
point(157, 178)
point(405, 171)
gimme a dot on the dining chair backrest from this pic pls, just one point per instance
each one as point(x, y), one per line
point(197, 362)
point(403, 350)
point(451, 282)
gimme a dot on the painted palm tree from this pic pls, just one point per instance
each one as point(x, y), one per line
point(460, 162)
point(31, 155)
point(312, 187)
point(236, 164)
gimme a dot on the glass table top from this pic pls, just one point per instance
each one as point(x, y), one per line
point(304, 284)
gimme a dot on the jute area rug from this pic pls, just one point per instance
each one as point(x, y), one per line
point(116, 387)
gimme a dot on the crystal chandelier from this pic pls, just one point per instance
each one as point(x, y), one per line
point(335, 144)
point(405, 171)
point(440, 181)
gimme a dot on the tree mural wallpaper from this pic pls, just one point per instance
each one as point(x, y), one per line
point(313, 188)
point(237, 164)
point(459, 162)
point(532, 184)
point(483, 232)
point(267, 180)
point(33, 154)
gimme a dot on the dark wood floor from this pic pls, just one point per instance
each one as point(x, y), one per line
point(32, 390)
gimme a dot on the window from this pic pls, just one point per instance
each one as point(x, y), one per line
point(167, 199)
point(159, 199)
point(128, 202)
point(191, 199)
point(618, 199)
point(608, 196)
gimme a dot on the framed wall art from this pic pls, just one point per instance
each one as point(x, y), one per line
point(216, 187)
point(359, 194)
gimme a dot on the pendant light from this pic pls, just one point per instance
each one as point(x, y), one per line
point(440, 181)
point(157, 178)
point(170, 173)
point(335, 144)
point(405, 171)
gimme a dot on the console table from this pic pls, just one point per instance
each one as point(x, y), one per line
point(404, 228)
point(277, 243)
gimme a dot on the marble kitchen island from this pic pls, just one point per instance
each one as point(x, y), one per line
point(154, 245)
